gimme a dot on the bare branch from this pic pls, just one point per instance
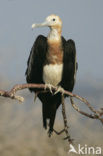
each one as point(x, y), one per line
point(65, 122)
point(96, 115)
point(11, 94)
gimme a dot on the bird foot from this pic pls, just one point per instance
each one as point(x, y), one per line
point(59, 89)
point(49, 86)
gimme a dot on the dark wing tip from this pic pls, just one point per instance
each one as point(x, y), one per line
point(70, 41)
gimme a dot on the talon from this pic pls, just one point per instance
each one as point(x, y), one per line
point(49, 86)
point(59, 89)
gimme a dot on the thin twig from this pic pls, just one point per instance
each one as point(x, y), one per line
point(58, 133)
point(65, 121)
point(93, 116)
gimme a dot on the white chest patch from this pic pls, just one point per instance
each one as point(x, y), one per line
point(52, 74)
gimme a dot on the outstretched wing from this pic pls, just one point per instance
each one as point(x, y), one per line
point(34, 72)
point(69, 65)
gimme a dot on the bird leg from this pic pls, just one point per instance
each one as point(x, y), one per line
point(59, 89)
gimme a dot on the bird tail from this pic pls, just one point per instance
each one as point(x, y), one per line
point(49, 112)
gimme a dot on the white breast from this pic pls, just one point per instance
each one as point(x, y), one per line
point(52, 74)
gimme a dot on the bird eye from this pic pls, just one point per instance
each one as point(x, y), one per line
point(53, 19)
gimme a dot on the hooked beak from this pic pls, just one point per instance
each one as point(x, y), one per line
point(46, 23)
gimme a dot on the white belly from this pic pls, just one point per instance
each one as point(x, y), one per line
point(52, 74)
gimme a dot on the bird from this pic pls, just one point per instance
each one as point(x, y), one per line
point(52, 61)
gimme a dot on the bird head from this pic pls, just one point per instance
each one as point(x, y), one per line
point(52, 21)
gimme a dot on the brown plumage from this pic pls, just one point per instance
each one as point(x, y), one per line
point(55, 52)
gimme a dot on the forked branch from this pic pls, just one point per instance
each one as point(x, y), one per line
point(95, 114)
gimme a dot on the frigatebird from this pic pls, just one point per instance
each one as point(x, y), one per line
point(52, 61)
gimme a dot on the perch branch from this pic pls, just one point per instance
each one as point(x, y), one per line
point(11, 94)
